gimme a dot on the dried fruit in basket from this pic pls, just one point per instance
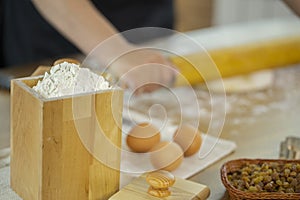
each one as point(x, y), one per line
point(267, 177)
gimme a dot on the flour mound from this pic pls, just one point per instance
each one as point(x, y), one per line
point(69, 79)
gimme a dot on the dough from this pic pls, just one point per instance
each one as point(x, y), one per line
point(244, 83)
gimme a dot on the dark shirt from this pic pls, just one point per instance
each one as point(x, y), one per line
point(27, 37)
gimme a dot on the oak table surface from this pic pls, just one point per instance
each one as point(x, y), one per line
point(259, 139)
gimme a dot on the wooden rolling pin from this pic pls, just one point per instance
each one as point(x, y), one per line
point(237, 60)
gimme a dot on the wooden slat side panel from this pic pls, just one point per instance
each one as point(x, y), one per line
point(52, 145)
point(105, 174)
point(26, 126)
point(65, 160)
point(76, 158)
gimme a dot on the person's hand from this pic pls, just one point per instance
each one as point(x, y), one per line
point(143, 70)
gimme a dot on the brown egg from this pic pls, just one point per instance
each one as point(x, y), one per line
point(189, 139)
point(143, 137)
point(166, 155)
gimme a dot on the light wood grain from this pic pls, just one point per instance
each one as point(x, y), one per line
point(182, 189)
point(26, 137)
point(41, 70)
point(49, 155)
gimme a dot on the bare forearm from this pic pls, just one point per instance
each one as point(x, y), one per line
point(294, 5)
point(79, 21)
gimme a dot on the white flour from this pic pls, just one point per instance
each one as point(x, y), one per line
point(68, 79)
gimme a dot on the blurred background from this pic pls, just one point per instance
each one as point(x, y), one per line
point(257, 121)
point(195, 14)
point(189, 15)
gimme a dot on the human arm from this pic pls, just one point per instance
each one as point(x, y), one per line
point(78, 21)
point(83, 25)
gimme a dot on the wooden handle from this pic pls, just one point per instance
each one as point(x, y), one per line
point(160, 179)
point(159, 193)
point(159, 182)
point(41, 70)
point(69, 60)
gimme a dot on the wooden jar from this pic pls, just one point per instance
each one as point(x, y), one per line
point(65, 148)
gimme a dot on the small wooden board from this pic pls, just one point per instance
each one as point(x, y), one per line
point(181, 190)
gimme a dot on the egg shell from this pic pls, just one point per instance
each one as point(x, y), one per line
point(143, 137)
point(188, 138)
point(166, 156)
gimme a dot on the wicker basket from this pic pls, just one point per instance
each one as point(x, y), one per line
point(236, 194)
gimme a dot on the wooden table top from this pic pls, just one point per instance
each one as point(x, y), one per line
point(257, 133)
point(256, 136)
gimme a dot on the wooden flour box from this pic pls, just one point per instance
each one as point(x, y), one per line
point(65, 148)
